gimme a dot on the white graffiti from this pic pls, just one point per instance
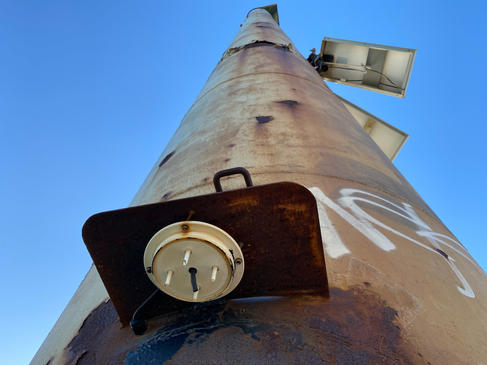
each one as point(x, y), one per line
point(351, 212)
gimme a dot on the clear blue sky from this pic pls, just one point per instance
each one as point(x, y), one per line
point(91, 92)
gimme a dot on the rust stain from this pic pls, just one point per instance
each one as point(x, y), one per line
point(259, 44)
point(250, 201)
point(232, 51)
point(293, 208)
point(360, 327)
point(353, 327)
point(286, 256)
point(185, 227)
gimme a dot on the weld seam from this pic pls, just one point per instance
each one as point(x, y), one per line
point(233, 50)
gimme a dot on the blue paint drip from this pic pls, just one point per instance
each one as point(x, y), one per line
point(199, 322)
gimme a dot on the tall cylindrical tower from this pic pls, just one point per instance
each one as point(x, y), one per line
point(402, 288)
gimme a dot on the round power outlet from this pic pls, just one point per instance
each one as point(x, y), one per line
point(194, 261)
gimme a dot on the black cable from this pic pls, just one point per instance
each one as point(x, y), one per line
point(138, 323)
point(380, 73)
point(395, 87)
point(193, 272)
point(137, 312)
point(370, 69)
point(346, 68)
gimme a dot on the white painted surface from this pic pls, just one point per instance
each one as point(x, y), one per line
point(355, 215)
point(389, 139)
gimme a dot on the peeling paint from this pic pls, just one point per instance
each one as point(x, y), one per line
point(288, 102)
point(166, 196)
point(95, 335)
point(231, 51)
point(264, 119)
point(165, 159)
point(359, 328)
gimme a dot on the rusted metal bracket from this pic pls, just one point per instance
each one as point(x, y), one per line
point(138, 322)
point(276, 226)
point(228, 172)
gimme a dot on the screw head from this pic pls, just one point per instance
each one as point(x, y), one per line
point(238, 261)
point(185, 228)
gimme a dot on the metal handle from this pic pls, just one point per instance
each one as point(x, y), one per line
point(233, 171)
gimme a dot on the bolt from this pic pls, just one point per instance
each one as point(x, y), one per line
point(185, 228)
point(238, 261)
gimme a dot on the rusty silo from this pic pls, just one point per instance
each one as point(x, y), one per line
point(400, 289)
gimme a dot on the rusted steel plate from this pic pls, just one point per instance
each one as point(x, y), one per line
point(276, 225)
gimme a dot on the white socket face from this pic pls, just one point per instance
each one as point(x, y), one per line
point(213, 269)
point(194, 261)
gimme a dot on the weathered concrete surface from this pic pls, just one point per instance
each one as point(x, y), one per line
point(403, 290)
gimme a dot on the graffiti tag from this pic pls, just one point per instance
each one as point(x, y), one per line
point(348, 208)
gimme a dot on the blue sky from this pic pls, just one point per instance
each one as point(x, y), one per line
point(92, 91)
